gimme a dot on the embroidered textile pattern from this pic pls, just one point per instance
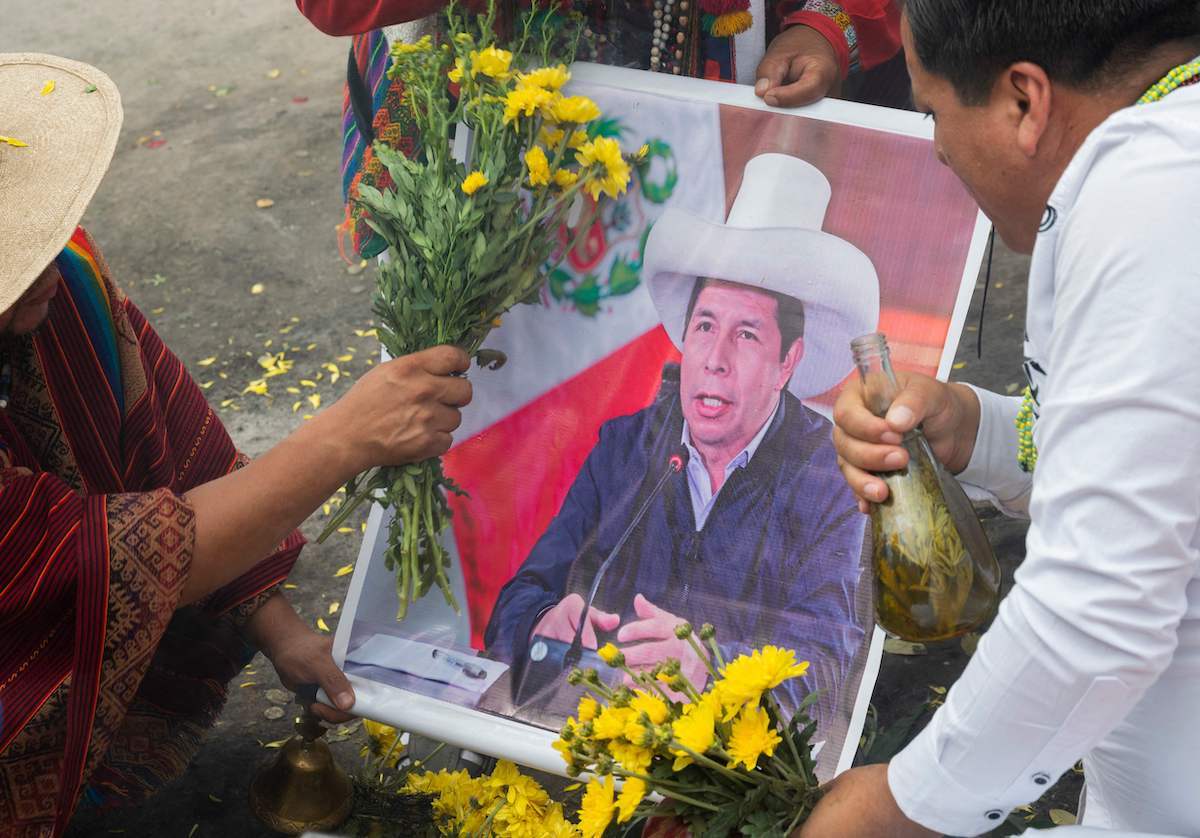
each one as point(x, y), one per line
point(838, 15)
point(1181, 76)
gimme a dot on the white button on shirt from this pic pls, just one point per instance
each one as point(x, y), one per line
point(699, 483)
point(1096, 651)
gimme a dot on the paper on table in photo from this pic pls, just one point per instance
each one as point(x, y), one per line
point(433, 663)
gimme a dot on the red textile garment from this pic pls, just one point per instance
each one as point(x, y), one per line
point(95, 541)
point(877, 23)
point(354, 17)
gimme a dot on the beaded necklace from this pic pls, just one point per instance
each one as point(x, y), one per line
point(1027, 455)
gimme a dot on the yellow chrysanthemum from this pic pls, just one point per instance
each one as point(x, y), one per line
point(589, 708)
point(523, 797)
point(694, 730)
point(633, 758)
point(539, 168)
point(642, 152)
point(555, 824)
point(456, 75)
point(565, 178)
point(564, 750)
point(474, 182)
point(609, 653)
point(548, 78)
point(747, 677)
point(576, 109)
point(750, 737)
point(491, 62)
point(610, 724)
point(632, 793)
point(651, 705)
point(525, 101)
point(384, 742)
point(605, 152)
point(596, 811)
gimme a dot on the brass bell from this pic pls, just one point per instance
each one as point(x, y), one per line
point(303, 789)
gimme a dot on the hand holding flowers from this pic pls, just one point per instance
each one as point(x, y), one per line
point(470, 238)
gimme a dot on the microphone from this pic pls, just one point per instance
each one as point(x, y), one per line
point(675, 464)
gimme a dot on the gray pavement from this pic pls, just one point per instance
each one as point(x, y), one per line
point(227, 103)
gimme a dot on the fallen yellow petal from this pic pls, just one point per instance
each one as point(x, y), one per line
point(14, 142)
point(264, 203)
point(274, 73)
point(296, 406)
point(345, 529)
point(206, 385)
point(321, 624)
point(208, 361)
point(307, 383)
point(295, 391)
point(333, 608)
point(278, 743)
point(345, 358)
point(247, 684)
point(257, 288)
point(288, 586)
point(315, 400)
point(346, 570)
point(227, 403)
point(48, 88)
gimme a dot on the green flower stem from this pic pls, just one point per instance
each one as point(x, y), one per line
point(752, 779)
point(786, 731)
point(704, 656)
point(716, 651)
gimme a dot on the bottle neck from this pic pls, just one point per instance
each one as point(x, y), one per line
point(874, 363)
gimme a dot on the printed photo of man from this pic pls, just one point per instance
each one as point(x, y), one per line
point(757, 533)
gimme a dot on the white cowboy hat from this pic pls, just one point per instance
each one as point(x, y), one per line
point(59, 121)
point(772, 240)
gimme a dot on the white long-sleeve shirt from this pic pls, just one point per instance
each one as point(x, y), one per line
point(1096, 651)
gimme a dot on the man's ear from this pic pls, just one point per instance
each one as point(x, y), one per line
point(1029, 100)
point(790, 360)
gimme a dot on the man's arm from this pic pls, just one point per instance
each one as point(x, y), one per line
point(1093, 618)
point(353, 17)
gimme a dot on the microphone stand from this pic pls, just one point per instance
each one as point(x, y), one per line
point(675, 465)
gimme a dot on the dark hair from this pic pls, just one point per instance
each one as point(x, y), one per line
point(1083, 43)
point(789, 313)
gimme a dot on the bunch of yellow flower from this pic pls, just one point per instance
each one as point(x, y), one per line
point(725, 758)
point(470, 238)
point(507, 803)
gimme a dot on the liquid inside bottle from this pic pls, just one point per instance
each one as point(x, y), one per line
point(936, 576)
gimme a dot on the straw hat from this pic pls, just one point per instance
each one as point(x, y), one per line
point(59, 121)
point(772, 240)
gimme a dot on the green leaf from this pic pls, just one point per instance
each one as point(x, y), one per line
point(623, 278)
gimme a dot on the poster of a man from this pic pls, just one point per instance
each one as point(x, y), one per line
point(756, 535)
point(657, 448)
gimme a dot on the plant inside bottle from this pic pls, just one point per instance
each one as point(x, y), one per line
point(936, 576)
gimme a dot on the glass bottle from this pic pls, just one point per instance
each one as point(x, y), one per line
point(936, 576)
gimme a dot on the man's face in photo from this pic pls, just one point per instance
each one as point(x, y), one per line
point(733, 368)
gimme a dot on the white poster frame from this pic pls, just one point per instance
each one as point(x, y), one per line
point(526, 744)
